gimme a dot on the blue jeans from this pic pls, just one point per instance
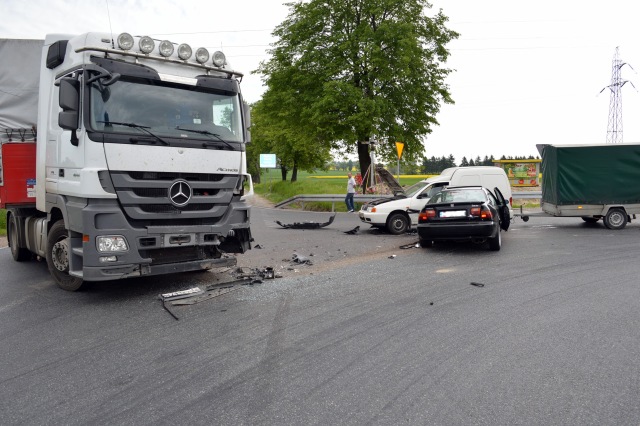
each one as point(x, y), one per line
point(349, 201)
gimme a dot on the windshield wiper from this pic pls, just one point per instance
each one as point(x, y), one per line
point(208, 133)
point(136, 126)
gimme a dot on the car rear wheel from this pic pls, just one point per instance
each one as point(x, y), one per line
point(398, 224)
point(495, 243)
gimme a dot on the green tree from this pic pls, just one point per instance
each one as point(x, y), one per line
point(293, 148)
point(347, 72)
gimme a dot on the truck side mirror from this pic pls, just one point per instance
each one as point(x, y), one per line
point(246, 112)
point(69, 101)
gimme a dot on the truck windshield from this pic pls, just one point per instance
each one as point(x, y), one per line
point(165, 110)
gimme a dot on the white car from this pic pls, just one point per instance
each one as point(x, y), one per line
point(400, 213)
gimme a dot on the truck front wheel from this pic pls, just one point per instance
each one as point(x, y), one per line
point(58, 254)
point(20, 254)
point(615, 219)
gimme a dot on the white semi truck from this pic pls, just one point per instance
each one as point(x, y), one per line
point(122, 156)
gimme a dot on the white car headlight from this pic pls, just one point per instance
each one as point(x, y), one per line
point(111, 243)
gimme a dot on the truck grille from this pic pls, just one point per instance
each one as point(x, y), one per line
point(145, 195)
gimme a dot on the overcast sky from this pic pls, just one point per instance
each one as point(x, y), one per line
point(527, 72)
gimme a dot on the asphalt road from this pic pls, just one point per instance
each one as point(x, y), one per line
point(550, 338)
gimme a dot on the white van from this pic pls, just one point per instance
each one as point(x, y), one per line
point(400, 213)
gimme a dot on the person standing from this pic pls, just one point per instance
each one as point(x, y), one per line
point(351, 191)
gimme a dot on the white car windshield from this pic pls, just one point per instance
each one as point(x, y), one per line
point(415, 189)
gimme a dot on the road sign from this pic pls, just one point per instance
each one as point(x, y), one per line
point(267, 161)
point(399, 148)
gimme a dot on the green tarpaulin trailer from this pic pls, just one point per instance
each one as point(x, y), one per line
point(591, 181)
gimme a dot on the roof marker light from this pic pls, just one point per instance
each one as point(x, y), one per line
point(125, 41)
point(202, 55)
point(166, 48)
point(184, 51)
point(219, 59)
point(146, 44)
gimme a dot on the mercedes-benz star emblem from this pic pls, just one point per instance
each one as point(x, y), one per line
point(180, 193)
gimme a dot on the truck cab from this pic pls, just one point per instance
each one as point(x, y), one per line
point(141, 160)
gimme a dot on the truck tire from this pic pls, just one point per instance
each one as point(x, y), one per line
point(616, 218)
point(496, 243)
point(20, 254)
point(398, 223)
point(58, 254)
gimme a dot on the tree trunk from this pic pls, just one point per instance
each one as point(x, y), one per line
point(365, 162)
point(283, 171)
point(294, 172)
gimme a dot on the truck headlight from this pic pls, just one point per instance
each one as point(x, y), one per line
point(111, 243)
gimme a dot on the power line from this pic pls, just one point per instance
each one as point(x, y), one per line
point(213, 32)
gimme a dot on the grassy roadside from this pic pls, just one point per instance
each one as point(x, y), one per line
point(276, 190)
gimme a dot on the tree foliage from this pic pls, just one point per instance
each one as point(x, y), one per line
point(343, 72)
point(294, 149)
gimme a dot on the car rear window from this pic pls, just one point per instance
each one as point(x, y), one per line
point(459, 196)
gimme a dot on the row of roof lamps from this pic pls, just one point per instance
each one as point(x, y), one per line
point(146, 45)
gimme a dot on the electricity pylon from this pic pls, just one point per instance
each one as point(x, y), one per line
point(614, 128)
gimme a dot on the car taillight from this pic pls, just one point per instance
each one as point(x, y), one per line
point(481, 212)
point(511, 201)
point(426, 215)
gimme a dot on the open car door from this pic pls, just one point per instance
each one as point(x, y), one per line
point(503, 210)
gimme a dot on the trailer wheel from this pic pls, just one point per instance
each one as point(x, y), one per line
point(615, 219)
point(58, 254)
point(20, 254)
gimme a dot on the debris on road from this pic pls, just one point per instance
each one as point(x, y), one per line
point(478, 284)
point(296, 258)
point(306, 225)
point(353, 231)
point(412, 245)
point(393, 256)
point(182, 294)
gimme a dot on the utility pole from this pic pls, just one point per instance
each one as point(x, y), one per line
point(614, 128)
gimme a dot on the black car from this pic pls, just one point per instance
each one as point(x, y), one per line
point(471, 213)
